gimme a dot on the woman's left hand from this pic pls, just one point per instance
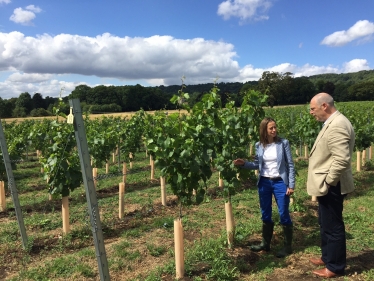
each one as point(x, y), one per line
point(289, 191)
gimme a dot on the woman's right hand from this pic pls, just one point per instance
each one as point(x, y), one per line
point(239, 162)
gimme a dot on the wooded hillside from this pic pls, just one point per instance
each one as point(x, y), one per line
point(282, 89)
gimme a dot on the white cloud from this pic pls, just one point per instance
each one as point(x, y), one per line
point(156, 57)
point(5, 1)
point(356, 65)
point(245, 9)
point(45, 63)
point(33, 8)
point(309, 70)
point(29, 77)
point(362, 29)
point(52, 88)
point(25, 17)
point(249, 73)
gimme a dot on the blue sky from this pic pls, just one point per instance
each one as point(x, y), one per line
point(49, 45)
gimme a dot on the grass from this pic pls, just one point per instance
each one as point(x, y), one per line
point(141, 245)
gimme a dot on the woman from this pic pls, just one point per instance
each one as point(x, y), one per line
point(276, 176)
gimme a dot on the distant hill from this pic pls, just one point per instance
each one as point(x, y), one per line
point(231, 87)
point(354, 77)
point(235, 87)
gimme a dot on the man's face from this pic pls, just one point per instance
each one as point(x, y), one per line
point(318, 110)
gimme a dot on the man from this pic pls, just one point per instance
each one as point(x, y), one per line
point(330, 179)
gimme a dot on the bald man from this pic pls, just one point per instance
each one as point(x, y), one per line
point(330, 179)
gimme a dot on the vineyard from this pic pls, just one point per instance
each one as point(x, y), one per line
point(161, 193)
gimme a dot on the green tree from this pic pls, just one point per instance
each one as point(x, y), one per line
point(276, 85)
point(48, 101)
point(38, 112)
point(19, 112)
point(24, 101)
point(361, 91)
point(80, 92)
point(302, 92)
point(38, 101)
point(2, 108)
point(341, 91)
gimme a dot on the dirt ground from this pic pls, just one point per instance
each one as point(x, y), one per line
point(296, 266)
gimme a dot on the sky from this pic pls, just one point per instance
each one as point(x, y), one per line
point(52, 46)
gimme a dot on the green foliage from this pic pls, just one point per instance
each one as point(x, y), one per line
point(361, 117)
point(297, 205)
point(237, 128)
point(369, 165)
point(187, 147)
point(39, 112)
point(217, 263)
point(182, 146)
point(60, 161)
point(155, 250)
point(130, 134)
point(102, 138)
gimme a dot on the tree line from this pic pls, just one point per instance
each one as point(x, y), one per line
point(282, 89)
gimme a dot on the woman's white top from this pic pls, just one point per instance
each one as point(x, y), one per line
point(270, 166)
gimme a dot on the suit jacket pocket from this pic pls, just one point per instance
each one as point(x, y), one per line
point(319, 180)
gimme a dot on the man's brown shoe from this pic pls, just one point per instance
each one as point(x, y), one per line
point(324, 272)
point(318, 261)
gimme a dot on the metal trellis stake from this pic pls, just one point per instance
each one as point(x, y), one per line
point(12, 187)
point(88, 180)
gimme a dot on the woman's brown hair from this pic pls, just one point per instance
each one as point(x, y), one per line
point(264, 132)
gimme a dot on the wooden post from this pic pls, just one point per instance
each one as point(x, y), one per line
point(150, 159)
point(179, 248)
point(314, 198)
point(121, 209)
point(163, 191)
point(370, 152)
point(2, 197)
point(94, 174)
point(358, 161)
point(297, 152)
point(250, 149)
point(114, 157)
point(230, 225)
point(130, 156)
point(107, 167)
point(65, 215)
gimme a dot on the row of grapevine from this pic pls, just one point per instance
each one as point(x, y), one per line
point(187, 147)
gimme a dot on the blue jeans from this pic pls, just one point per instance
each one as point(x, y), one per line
point(266, 189)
